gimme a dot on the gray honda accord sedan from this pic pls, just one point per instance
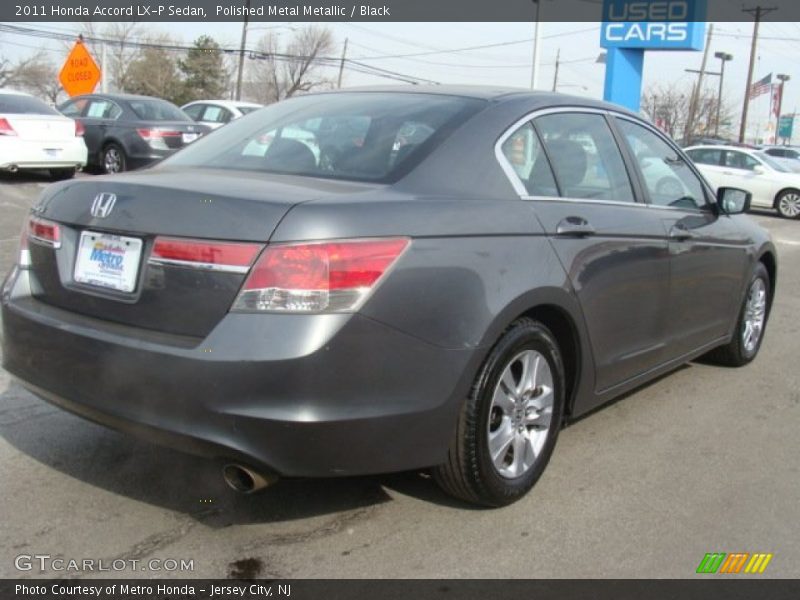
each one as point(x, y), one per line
point(385, 279)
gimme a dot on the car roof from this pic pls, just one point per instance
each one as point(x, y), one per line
point(720, 147)
point(124, 97)
point(225, 103)
point(490, 93)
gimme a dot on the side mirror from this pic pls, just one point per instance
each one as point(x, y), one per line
point(733, 201)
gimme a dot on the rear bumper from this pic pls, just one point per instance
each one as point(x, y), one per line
point(317, 395)
point(42, 155)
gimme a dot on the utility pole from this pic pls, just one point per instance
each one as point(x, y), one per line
point(758, 12)
point(536, 44)
point(341, 64)
point(241, 51)
point(699, 88)
point(555, 77)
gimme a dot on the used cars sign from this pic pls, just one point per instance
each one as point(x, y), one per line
point(653, 24)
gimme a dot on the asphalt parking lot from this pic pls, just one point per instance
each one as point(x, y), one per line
point(702, 460)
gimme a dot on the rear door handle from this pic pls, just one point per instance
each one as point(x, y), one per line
point(574, 227)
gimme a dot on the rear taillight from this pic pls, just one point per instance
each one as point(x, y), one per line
point(156, 137)
point(233, 257)
point(6, 128)
point(317, 277)
point(44, 232)
point(79, 129)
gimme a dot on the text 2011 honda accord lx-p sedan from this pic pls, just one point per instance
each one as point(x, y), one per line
point(385, 279)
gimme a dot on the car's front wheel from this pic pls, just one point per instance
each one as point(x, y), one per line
point(114, 159)
point(508, 426)
point(788, 204)
point(746, 341)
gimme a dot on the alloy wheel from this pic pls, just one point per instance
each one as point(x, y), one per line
point(520, 414)
point(789, 205)
point(754, 314)
point(112, 160)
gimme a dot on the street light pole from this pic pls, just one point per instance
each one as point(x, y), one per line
point(723, 57)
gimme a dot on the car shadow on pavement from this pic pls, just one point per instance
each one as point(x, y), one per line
point(163, 477)
point(25, 177)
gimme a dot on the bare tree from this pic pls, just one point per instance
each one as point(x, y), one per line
point(39, 76)
point(668, 107)
point(276, 73)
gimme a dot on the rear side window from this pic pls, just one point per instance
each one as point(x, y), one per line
point(585, 157)
point(524, 153)
point(17, 104)
point(194, 111)
point(706, 156)
point(359, 136)
point(216, 114)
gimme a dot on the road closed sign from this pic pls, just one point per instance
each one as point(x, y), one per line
point(80, 74)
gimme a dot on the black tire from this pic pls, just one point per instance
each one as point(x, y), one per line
point(61, 174)
point(787, 203)
point(114, 159)
point(736, 353)
point(469, 473)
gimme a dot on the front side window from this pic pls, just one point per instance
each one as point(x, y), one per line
point(359, 136)
point(668, 179)
point(524, 153)
point(103, 109)
point(706, 156)
point(585, 157)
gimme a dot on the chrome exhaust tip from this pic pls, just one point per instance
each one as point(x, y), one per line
point(13, 168)
point(245, 480)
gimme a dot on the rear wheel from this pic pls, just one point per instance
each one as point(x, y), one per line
point(61, 174)
point(508, 425)
point(114, 159)
point(749, 334)
point(788, 204)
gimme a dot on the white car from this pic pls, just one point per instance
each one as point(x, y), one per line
point(35, 136)
point(772, 184)
point(215, 113)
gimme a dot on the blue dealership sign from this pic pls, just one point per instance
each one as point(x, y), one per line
point(653, 24)
point(632, 26)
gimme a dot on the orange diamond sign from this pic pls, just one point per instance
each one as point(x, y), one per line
point(80, 74)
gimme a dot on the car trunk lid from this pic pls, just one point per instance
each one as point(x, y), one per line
point(35, 128)
point(177, 204)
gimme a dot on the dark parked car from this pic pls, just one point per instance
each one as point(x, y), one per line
point(329, 304)
point(124, 132)
point(782, 152)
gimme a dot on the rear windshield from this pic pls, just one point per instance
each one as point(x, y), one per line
point(17, 104)
point(360, 136)
point(157, 110)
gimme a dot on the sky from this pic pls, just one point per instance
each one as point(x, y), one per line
point(507, 65)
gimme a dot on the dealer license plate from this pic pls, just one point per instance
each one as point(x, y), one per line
point(108, 261)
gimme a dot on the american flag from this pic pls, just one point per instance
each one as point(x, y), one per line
point(762, 86)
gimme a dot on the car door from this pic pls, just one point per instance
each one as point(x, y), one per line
point(613, 249)
point(708, 251)
point(99, 115)
point(748, 173)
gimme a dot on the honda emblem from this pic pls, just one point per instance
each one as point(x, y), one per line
point(103, 205)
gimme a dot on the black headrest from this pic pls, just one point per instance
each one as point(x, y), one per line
point(285, 154)
point(569, 161)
